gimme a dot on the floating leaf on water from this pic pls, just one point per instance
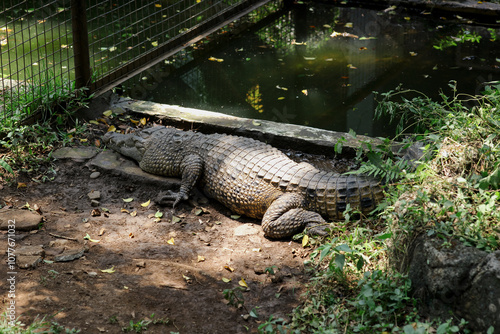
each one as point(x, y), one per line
point(282, 88)
point(348, 25)
point(243, 283)
point(407, 18)
point(157, 5)
point(109, 271)
point(363, 48)
point(113, 48)
point(111, 129)
point(304, 91)
point(309, 58)
point(226, 280)
point(171, 241)
point(366, 38)
point(145, 204)
point(127, 200)
point(413, 54)
point(155, 43)
point(352, 67)
point(281, 98)
point(219, 60)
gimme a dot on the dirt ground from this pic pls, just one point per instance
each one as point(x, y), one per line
point(175, 268)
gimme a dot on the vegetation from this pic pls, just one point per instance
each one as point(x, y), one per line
point(452, 193)
point(45, 325)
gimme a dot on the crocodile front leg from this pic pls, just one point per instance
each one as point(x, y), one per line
point(286, 217)
point(191, 169)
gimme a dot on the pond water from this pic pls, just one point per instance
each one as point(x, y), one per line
point(318, 65)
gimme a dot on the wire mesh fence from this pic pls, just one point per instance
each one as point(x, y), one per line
point(50, 49)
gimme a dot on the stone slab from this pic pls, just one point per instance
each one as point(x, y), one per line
point(25, 220)
point(80, 153)
point(305, 138)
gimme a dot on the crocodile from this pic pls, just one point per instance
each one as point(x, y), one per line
point(249, 177)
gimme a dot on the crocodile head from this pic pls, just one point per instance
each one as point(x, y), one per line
point(132, 145)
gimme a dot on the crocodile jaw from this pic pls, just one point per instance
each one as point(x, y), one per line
point(130, 145)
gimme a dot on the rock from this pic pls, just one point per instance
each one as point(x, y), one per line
point(30, 251)
point(92, 274)
point(28, 261)
point(95, 175)
point(245, 229)
point(94, 203)
point(76, 153)
point(70, 255)
point(24, 220)
point(94, 195)
point(464, 280)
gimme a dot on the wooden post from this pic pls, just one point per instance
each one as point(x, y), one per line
point(80, 44)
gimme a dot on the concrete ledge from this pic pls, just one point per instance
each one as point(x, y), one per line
point(303, 138)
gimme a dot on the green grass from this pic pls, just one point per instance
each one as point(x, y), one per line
point(358, 283)
point(45, 325)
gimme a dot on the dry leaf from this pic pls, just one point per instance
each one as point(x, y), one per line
point(124, 210)
point(171, 241)
point(226, 280)
point(127, 200)
point(133, 213)
point(243, 283)
point(201, 258)
point(146, 203)
point(109, 271)
point(143, 121)
point(107, 113)
point(21, 185)
point(131, 235)
point(229, 268)
point(175, 219)
point(305, 240)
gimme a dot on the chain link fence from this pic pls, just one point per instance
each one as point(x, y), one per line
point(50, 50)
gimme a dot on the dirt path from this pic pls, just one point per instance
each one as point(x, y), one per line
point(176, 270)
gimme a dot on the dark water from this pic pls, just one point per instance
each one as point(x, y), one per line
point(294, 71)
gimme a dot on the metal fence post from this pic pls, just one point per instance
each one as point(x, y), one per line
point(80, 43)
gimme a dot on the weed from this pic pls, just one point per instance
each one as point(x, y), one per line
point(43, 325)
point(143, 324)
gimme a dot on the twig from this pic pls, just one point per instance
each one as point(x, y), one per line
point(62, 237)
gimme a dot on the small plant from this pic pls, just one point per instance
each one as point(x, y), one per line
point(143, 324)
point(37, 326)
point(463, 36)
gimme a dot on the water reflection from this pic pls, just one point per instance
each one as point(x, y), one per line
point(319, 65)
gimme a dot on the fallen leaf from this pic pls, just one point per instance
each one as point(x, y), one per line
point(348, 25)
point(175, 219)
point(187, 278)
point(256, 123)
point(243, 283)
point(124, 210)
point(281, 98)
point(111, 129)
point(155, 43)
point(171, 241)
point(87, 237)
point(201, 258)
point(352, 67)
point(229, 268)
point(226, 280)
point(143, 121)
point(109, 271)
point(235, 216)
point(107, 113)
point(101, 232)
point(131, 235)
point(95, 213)
point(133, 213)
point(157, 5)
point(21, 185)
point(113, 48)
point(304, 91)
point(134, 121)
point(198, 212)
point(413, 54)
point(158, 214)
point(363, 48)
point(219, 60)
point(305, 241)
point(256, 250)
point(127, 200)
point(145, 204)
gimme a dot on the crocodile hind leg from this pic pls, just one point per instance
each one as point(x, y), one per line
point(286, 217)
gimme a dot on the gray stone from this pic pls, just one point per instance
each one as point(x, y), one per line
point(94, 203)
point(94, 195)
point(25, 220)
point(460, 279)
point(77, 153)
point(70, 255)
point(30, 250)
point(95, 175)
point(245, 229)
point(28, 261)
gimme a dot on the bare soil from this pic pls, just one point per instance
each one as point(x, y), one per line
point(174, 269)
